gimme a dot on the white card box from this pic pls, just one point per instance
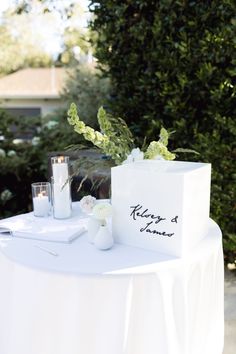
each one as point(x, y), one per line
point(161, 205)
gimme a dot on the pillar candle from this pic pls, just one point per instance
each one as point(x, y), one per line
point(60, 170)
point(41, 205)
point(61, 188)
point(62, 201)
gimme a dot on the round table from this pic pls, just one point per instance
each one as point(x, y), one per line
point(122, 301)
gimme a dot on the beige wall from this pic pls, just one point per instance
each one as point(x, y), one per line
point(46, 105)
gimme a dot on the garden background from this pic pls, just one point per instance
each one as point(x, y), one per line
point(154, 63)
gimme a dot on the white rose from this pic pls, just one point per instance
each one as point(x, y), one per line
point(102, 211)
point(87, 203)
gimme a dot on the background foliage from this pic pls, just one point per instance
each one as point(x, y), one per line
point(88, 90)
point(23, 161)
point(174, 63)
point(19, 166)
point(42, 33)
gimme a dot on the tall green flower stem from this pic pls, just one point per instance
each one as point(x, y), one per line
point(115, 138)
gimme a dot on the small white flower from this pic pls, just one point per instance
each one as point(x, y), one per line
point(35, 141)
point(135, 155)
point(51, 124)
point(87, 203)
point(11, 153)
point(102, 211)
point(2, 153)
point(5, 195)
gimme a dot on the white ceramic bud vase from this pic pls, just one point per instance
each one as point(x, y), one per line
point(93, 227)
point(103, 239)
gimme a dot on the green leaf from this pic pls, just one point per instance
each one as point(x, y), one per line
point(186, 150)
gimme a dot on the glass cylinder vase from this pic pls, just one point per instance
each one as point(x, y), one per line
point(41, 196)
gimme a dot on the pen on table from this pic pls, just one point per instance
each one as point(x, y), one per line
point(46, 250)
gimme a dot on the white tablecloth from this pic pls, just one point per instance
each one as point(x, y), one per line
point(122, 301)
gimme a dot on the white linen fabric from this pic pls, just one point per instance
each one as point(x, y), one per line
point(122, 301)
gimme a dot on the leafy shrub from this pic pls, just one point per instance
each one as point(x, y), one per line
point(23, 162)
point(19, 163)
point(173, 63)
point(27, 162)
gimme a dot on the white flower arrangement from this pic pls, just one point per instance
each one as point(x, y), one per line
point(116, 140)
point(87, 203)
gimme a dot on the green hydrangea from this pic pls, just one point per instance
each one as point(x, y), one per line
point(156, 149)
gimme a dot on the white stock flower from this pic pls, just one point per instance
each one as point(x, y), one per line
point(135, 155)
point(87, 203)
point(102, 211)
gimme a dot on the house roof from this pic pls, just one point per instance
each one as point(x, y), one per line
point(33, 83)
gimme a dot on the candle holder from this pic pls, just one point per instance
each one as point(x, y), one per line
point(61, 190)
point(41, 196)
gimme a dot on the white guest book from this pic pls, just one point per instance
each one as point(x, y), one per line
point(161, 205)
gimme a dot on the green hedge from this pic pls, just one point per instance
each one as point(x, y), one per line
point(173, 63)
point(27, 161)
point(19, 164)
point(88, 90)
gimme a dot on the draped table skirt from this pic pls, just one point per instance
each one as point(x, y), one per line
point(122, 301)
